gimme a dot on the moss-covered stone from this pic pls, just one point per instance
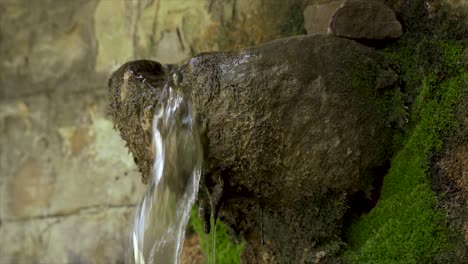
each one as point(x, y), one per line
point(404, 227)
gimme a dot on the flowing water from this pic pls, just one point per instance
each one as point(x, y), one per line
point(161, 218)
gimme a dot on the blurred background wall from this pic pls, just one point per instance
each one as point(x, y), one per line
point(68, 186)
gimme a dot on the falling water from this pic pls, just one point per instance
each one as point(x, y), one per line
point(161, 218)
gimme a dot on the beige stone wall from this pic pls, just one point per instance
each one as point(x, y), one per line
point(67, 185)
point(68, 188)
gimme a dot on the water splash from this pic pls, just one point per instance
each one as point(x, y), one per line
point(161, 218)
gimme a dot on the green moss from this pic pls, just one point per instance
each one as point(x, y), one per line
point(404, 227)
point(379, 87)
point(226, 251)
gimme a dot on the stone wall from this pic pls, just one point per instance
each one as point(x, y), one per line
point(68, 188)
point(67, 185)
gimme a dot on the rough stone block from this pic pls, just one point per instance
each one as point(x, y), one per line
point(53, 145)
point(92, 155)
point(88, 236)
point(44, 45)
point(26, 156)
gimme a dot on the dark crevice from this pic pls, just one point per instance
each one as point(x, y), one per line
point(378, 44)
point(361, 203)
point(379, 174)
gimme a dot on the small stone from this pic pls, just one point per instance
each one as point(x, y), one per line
point(366, 20)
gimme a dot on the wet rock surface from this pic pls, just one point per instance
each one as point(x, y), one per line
point(292, 131)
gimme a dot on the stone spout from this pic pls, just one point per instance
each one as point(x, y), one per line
point(293, 129)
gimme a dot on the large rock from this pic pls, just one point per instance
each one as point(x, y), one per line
point(294, 128)
point(366, 19)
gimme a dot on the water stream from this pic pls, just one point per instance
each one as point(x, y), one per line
point(161, 218)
